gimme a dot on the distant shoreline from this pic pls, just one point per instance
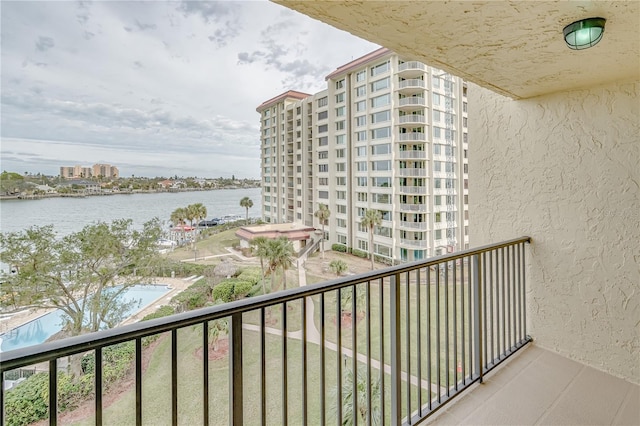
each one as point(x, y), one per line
point(130, 192)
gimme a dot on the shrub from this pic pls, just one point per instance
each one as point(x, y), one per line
point(339, 247)
point(360, 253)
point(191, 298)
point(242, 289)
point(163, 311)
point(223, 291)
point(338, 266)
point(253, 275)
point(28, 402)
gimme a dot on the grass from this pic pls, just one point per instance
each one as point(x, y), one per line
point(208, 246)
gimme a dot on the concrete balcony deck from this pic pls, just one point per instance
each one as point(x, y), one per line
point(540, 387)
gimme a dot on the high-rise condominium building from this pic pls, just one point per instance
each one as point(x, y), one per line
point(97, 170)
point(389, 134)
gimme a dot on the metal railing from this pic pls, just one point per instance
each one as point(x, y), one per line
point(411, 337)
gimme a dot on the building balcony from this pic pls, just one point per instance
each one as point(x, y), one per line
point(413, 172)
point(453, 314)
point(412, 101)
point(405, 242)
point(414, 207)
point(413, 190)
point(421, 226)
point(413, 155)
point(413, 68)
point(413, 136)
point(412, 119)
point(412, 85)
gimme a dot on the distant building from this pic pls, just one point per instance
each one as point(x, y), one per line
point(97, 170)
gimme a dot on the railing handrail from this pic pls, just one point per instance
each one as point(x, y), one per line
point(86, 342)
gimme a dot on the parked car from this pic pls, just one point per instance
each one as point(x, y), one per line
point(208, 223)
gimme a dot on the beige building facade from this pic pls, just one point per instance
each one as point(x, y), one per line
point(388, 134)
point(97, 170)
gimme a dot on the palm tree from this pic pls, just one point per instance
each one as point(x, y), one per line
point(178, 218)
point(217, 329)
point(247, 204)
point(279, 255)
point(348, 403)
point(370, 220)
point(261, 246)
point(322, 214)
point(195, 212)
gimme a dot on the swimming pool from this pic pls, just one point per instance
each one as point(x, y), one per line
point(40, 329)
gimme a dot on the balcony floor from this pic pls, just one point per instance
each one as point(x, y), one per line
point(539, 387)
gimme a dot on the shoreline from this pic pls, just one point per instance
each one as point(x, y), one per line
point(132, 192)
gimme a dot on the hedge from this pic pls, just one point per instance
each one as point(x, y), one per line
point(360, 253)
point(339, 247)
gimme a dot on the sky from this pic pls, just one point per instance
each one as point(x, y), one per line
point(155, 88)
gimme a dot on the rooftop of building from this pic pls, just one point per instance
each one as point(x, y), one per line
point(286, 95)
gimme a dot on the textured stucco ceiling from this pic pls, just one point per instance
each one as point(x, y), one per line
point(514, 48)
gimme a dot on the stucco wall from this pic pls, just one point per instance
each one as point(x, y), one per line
point(565, 170)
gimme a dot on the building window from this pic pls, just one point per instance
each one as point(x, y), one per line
point(323, 155)
point(324, 128)
point(341, 195)
point(340, 98)
point(383, 165)
point(342, 239)
point(361, 106)
point(340, 139)
point(381, 182)
point(340, 153)
point(362, 196)
point(341, 223)
point(340, 125)
point(379, 69)
point(361, 151)
point(381, 198)
point(382, 250)
point(361, 76)
point(361, 136)
point(437, 132)
point(380, 101)
point(437, 200)
point(361, 181)
point(322, 115)
point(380, 84)
point(341, 209)
point(383, 132)
point(323, 102)
point(322, 141)
point(341, 167)
point(363, 245)
point(340, 84)
point(323, 167)
point(436, 99)
point(361, 121)
point(340, 111)
point(361, 90)
point(381, 149)
point(438, 234)
point(341, 181)
point(323, 195)
point(464, 107)
point(361, 166)
point(435, 81)
point(380, 117)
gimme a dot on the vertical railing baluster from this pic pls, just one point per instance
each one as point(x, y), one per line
point(354, 352)
point(491, 310)
point(455, 327)
point(304, 360)
point(524, 291)
point(408, 343)
point(504, 303)
point(138, 381)
point(285, 373)
point(205, 373)
point(235, 371)
point(463, 323)
point(486, 273)
point(368, 330)
point(2, 419)
point(507, 346)
point(470, 320)
point(514, 320)
point(438, 332)
point(428, 315)
point(339, 355)
point(98, 386)
point(174, 375)
point(263, 366)
point(519, 284)
point(477, 279)
point(446, 327)
point(322, 361)
point(381, 308)
point(419, 342)
point(53, 392)
point(396, 368)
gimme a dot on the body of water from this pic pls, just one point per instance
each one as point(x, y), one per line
point(72, 214)
point(40, 329)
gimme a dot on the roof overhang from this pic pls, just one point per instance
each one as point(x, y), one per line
point(514, 48)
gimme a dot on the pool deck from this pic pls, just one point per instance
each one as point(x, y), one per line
point(12, 321)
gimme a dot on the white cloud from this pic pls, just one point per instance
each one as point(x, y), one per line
point(157, 88)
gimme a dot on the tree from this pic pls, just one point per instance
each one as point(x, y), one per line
point(178, 218)
point(195, 212)
point(360, 406)
point(370, 220)
point(338, 266)
point(261, 245)
point(247, 204)
point(279, 254)
point(83, 274)
point(322, 214)
point(217, 329)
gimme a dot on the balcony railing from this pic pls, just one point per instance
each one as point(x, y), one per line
point(413, 154)
point(411, 83)
point(417, 335)
point(413, 189)
point(412, 118)
point(422, 226)
point(413, 136)
point(412, 100)
point(413, 172)
point(414, 207)
point(412, 65)
point(414, 243)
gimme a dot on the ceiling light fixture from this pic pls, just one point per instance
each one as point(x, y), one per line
point(584, 34)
